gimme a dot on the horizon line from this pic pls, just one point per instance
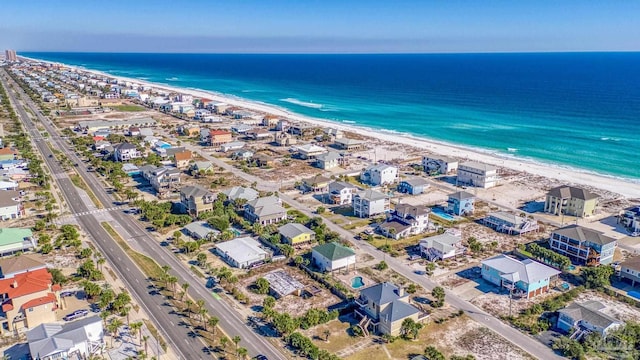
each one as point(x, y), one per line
point(336, 53)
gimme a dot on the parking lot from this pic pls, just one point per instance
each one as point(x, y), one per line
point(72, 303)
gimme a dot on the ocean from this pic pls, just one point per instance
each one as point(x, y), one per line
point(579, 110)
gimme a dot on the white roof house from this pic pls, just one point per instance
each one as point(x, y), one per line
point(241, 252)
point(52, 341)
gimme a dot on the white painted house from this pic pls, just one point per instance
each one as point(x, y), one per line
point(379, 175)
point(333, 256)
point(477, 174)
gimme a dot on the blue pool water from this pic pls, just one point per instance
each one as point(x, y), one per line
point(634, 294)
point(357, 282)
point(441, 214)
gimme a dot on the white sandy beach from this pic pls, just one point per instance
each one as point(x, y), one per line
point(571, 176)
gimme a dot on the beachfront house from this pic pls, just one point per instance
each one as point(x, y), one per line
point(414, 186)
point(13, 240)
point(406, 220)
point(578, 319)
point(509, 223)
point(477, 174)
point(296, 234)
point(383, 307)
point(241, 252)
point(525, 278)
point(572, 201)
point(380, 175)
point(441, 247)
point(630, 270)
point(439, 165)
point(349, 144)
point(630, 218)
point(583, 246)
point(332, 257)
point(309, 151)
point(460, 203)
point(370, 202)
point(265, 210)
point(195, 199)
point(328, 160)
point(341, 193)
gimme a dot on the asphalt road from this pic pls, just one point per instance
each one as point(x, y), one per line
point(181, 338)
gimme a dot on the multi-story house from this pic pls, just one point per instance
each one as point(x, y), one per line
point(10, 205)
point(318, 183)
point(631, 219)
point(583, 246)
point(406, 220)
point(460, 203)
point(329, 160)
point(218, 137)
point(441, 247)
point(81, 339)
point(341, 193)
point(380, 175)
point(509, 223)
point(196, 199)
point(164, 179)
point(383, 307)
point(477, 174)
point(572, 201)
point(181, 159)
point(523, 278)
point(296, 234)
point(125, 152)
point(439, 165)
point(333, 256)
point(630, 270)
point(370, 202)
point(28, 299)
point(579, 319)
point(265, 210)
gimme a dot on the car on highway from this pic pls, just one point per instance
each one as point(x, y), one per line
point(75, 315)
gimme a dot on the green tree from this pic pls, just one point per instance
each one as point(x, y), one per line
point(382, 265)
point(410, 328)
point(569, 348)
point(597, 277)
point(439, 294)
point(269, 302)
point(213, 322)
point(202, 259)
point(432, 353)
point(262, 286)
point(430, 268)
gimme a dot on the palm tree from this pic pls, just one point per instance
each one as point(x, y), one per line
point(223, 342)
point(188, 309)
point(213, 322)
point(199, 304)
point(173, 280)
point(185, 286)
point(242, 353)
point(113, 327)
point(326, 335)
point(101, 262)
point(146, 341)
point(104, 315)
point(125, 312)
point(203, 316)
point(236, 340)
point(137, 326)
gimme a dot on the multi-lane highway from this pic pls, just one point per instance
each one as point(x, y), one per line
point(180, 338)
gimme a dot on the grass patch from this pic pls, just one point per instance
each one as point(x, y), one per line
point(155, 334)
point(197, 272)
point(146, 264)
point(129, 108)
point(79, 183)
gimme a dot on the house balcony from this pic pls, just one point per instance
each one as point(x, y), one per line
point(360, 302)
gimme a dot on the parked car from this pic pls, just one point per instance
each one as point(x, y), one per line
point(75, 315)
point(66, 293)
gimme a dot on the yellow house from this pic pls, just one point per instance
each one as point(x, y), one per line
point(318, 183)
point(296, 234)
point(29, 299)
point(572, 201)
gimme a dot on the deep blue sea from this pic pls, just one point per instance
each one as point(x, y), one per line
point(580, 110)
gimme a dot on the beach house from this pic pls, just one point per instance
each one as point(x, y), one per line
point(296, 234)
point(81, 339)
point(460, 203)
point(332, 257)
point(630, 218)
point(265, 210)
point(572, 201)
point(341, 193)
point(217, 137)
point(509, 223)
point(164, 179)
point(328, 160)
point(582, 245)
point(370, 202)
point(380, 175)
point(200, 230)
point(477, 174)
point(231, 146)
point(349, 144)
point(181, 159)
point(406, 220)
point(28, 300)
point(14, 265)
point(413, 186)
point(13, 240)
point(439, 165)
point(318, 183)
point(578, 319)
point(125, 152)
point(441, 247)
point(630, 270)
point(240, 193)
point(196, 199)
point(309, 151)
point(383, 307)
point(241, 252)
point(525, 278)
point(10, 205)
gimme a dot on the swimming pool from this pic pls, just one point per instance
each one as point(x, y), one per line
point(357, 282)
point(443, 215)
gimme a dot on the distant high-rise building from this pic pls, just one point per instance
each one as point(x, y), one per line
point(11, 55)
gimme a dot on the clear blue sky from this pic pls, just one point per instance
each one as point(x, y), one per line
point(320, 26)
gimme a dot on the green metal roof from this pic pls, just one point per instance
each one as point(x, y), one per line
point(334, 251)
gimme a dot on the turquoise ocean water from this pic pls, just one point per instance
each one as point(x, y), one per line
point(580, 110)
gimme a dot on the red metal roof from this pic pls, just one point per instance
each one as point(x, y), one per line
point(49, 298)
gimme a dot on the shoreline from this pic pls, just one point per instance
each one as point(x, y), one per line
point(629, 188)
